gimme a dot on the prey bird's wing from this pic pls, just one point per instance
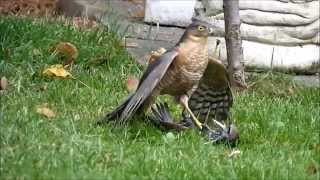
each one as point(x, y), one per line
point(213, 98)
point(149, 80)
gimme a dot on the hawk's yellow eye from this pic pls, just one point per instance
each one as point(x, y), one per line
point(200, 28)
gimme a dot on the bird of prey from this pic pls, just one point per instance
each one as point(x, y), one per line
point(177, 72)
point(210, 102)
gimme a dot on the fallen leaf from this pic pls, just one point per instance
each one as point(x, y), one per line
point(3, 83)
point(234, 153)
point(57, 70)
point(132, 83)
point(68, 50)
point(44, 110)
point(154, 55)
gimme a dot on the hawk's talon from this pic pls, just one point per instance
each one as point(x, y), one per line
point(162, 117)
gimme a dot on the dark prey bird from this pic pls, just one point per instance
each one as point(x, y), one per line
point(177, 72)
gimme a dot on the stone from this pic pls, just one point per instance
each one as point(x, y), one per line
point(174, 12)
point(261, 55)
point(282, 34)
point(92, 9)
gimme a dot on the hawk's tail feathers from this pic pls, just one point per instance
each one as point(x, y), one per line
point(115, 114)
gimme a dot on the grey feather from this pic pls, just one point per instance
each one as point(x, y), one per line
point(150, 79)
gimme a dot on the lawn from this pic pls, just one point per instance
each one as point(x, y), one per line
point(279, 121)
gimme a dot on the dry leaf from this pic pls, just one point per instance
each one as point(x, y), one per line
point(44, 110)
point(154, 55)
point(68, 50)
point(132, 83)
point(57, 70)
point(234, 153)
point(3, 83)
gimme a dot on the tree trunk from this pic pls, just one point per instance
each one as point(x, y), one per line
point(234, 42)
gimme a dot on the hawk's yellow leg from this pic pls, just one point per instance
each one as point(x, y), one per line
point(184, 102)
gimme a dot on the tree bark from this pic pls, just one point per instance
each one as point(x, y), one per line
point(234, 42)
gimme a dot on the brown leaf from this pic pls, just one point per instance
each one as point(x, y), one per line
point(132, 83)
point(3, 83)
point(57, 70)
point(154, 55)
point(45, 111)
point(68, 50)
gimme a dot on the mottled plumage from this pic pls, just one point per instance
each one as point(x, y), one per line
point(213, 98)
point(178, 72)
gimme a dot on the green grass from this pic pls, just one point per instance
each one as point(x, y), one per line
point(279, 122)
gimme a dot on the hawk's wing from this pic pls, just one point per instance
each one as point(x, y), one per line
point(148, 82)
point(213, 97)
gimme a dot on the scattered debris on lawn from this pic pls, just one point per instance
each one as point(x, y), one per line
point(154, 55)
point(3, 83)
point(57, 70)
point(234, 153)
point(45, 111)
point(67, 50)
point(132, 83)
